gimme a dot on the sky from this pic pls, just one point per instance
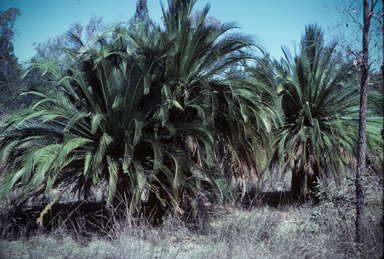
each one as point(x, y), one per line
point(273, 23)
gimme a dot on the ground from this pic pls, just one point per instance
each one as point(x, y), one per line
point(263, 230)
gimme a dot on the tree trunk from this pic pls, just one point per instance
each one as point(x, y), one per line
point(302, 183)
point(360, 213)
point(153, 210)
point(298, 183)
point(304, 180)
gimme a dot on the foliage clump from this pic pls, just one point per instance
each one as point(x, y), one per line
point(144, 111)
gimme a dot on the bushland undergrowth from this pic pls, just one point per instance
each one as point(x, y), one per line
point(264, 228)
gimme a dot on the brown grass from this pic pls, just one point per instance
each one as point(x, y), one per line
point(323, 230)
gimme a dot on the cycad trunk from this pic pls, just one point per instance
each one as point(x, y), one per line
point(153, 209)
point(122, 198)
point(303, 182)
point(298, 183)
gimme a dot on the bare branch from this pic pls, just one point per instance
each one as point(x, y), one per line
point(373, 5)
point(354, 19)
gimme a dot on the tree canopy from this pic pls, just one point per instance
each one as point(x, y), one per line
point(10, 71)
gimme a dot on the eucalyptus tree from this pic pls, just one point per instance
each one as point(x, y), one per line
point(9, 69)
point(77, 36)
point(318, 135)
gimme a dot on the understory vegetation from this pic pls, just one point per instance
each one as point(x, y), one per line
point(263, 229)
point(183, 140)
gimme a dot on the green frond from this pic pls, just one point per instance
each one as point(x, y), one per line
point(72, 144)
point(104, 142)
point(112, 172)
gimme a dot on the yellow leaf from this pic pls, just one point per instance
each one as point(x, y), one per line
point(177, 104)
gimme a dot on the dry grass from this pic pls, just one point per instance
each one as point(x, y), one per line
point(325, 230)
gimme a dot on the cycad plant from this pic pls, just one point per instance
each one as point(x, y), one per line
point(318, 134)
point(91, 124)
point(200, 73)
point(196, 74)
point(142, 110)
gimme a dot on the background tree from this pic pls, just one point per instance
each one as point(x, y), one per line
point(209, 20)
point(141, 13)
point(349, 25)
point(365, 65)
point(10, 71)
point(362, 18)
point(76, 37)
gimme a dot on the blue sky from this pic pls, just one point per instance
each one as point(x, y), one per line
point(274, 23)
